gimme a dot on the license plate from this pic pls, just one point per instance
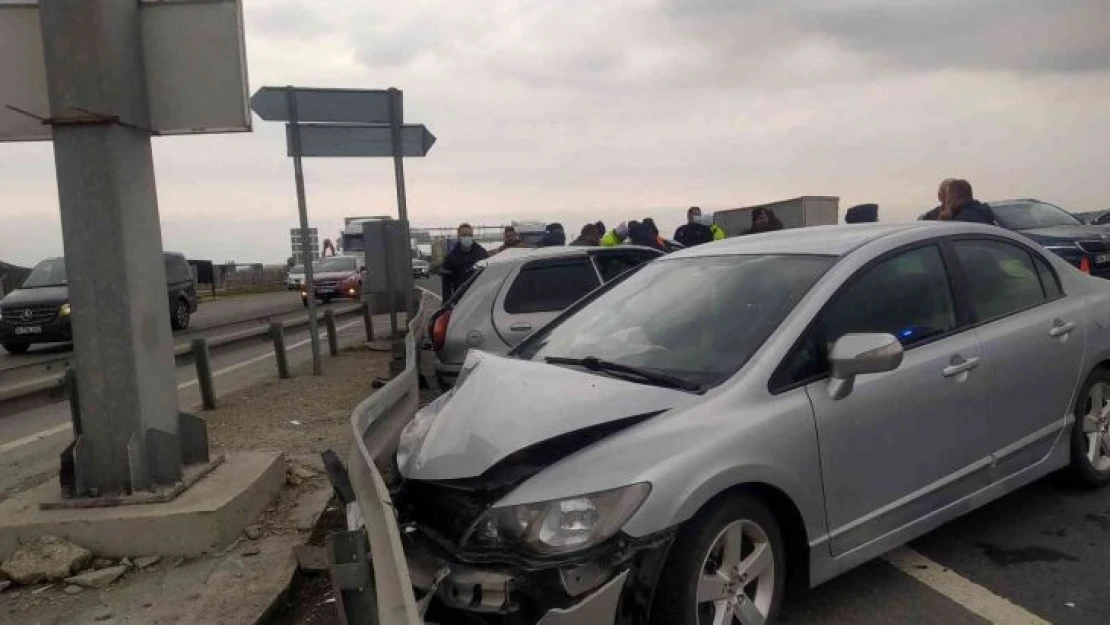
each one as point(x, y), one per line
point(1102, 258)
point(28, 330)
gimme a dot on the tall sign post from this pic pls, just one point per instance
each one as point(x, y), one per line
point(306, 242)
point(346, 123)
point(100, 77)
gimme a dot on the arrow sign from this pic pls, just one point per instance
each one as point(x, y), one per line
point(367, 106)
point(356, 140)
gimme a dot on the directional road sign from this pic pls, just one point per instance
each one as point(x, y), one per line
point(367, 106)
point(358, 140)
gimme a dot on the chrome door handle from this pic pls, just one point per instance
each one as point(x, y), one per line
point(1060, 329)
point(520, 326)
point(957, 369)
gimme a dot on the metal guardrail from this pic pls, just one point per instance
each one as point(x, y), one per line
point(376, 424)
point(48, 376)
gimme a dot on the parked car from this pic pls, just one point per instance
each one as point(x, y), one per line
point(294, 280)
point(677, 444)
point(1094, 218)
point(420, 268)
point(335, 277)
point(518, 291)
point(39, 310)
point(1083, 245)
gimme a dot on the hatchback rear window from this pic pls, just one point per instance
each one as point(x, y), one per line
point(550, 287)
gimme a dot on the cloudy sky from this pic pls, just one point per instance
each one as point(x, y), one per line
point(576, 110)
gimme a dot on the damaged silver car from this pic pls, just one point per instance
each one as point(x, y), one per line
point(788, 405)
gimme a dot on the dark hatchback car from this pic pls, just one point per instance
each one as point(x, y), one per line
point(38, 311)
point(1083, 245)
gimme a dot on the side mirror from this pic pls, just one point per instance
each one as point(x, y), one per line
point(858, 354)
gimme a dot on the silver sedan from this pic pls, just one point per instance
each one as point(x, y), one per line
point(672, 448)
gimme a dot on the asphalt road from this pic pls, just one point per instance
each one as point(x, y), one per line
point(210, 314)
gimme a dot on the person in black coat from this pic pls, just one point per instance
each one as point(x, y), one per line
point(460, 260)
point(694, 232)
point(960, 205)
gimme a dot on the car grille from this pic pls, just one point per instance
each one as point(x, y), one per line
point(449, 511)
point(330, 283)
point(30, 315)
point(1094, 247)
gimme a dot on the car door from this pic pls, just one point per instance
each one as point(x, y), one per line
point(1032, 338)
point(895, 448)
point(612, 263)
point(538, 292)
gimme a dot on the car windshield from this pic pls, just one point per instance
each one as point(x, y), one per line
point(50, 272)
point(1029, 215)
point(337, 263)
point(296, 270)
point(697, 319)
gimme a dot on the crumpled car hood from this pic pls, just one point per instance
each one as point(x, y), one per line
point(501, 405)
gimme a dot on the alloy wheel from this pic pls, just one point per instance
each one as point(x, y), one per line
point(737, 581)
point(1096, 426)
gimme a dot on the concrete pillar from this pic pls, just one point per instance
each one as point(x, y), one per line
point(123, 346)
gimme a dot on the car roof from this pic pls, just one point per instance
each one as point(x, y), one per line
point(823, 240)
point(524, 254)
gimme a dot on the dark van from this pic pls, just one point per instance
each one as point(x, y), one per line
point(38, 311)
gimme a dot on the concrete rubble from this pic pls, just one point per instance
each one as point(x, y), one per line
point(46, 559)
point(99, 578)
point(145, 562)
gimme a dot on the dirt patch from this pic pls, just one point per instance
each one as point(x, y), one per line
point(302, 415)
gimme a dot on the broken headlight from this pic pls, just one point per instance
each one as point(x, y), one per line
point(560, 526)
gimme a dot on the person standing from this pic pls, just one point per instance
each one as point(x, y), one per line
point(590, 237)
point(764, 220)
point(960, 205)
point(616, 236)
point(509, 239)
point(942, 192)
point(460, 260)
point(694, 232)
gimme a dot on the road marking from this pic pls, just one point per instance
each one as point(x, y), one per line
point(966, 593)
point(37, 436)
point(66, 427)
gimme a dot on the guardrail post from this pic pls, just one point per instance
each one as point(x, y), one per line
point(333, 337)
point(368, 321)
point(204, 373)
point(277, 332)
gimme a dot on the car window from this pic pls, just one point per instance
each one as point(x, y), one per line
point(1049, 282)
point(176, 270)
point(550, 287)
point(907, 295)
point(612, 264)
point(1029, 215)
point(1001, 278)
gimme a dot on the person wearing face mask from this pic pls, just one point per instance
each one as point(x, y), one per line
point(459, 261)
point(695, 231)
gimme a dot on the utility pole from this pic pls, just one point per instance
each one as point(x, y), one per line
point(123, 347)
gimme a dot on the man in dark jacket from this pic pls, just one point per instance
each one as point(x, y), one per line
point(590, 236)
point(960, 205)
point(942, 192)
point(693, 232)
point(763, 220)
point(460, 260)
point(555, 235)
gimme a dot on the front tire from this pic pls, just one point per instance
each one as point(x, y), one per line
point(179, 315)
point(727, 566)
point(1090, 437)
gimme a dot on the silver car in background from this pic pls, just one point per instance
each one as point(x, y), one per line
point(518, 291)
point(796, 403)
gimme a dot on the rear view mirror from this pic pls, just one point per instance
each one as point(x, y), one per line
point(859, 354)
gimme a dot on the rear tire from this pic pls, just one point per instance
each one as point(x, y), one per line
point(1090, 436)
point(17, 348)
point(729, 557)
point(179, 315)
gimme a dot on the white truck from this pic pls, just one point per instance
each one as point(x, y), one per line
point(799, 212)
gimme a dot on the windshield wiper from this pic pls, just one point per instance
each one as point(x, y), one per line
point(653, 377)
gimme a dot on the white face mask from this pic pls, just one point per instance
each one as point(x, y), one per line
point(466, 242)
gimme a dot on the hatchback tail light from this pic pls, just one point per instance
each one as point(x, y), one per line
point(1085, 265)
point(439, 328)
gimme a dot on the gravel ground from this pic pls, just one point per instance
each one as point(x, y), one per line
point(302, 415)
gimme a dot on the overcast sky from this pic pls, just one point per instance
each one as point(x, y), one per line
point(611, 109)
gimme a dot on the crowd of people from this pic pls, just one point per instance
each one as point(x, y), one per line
point(957, 203)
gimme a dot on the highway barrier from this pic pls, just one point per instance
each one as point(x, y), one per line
point(41, 382)
point(376, 425)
